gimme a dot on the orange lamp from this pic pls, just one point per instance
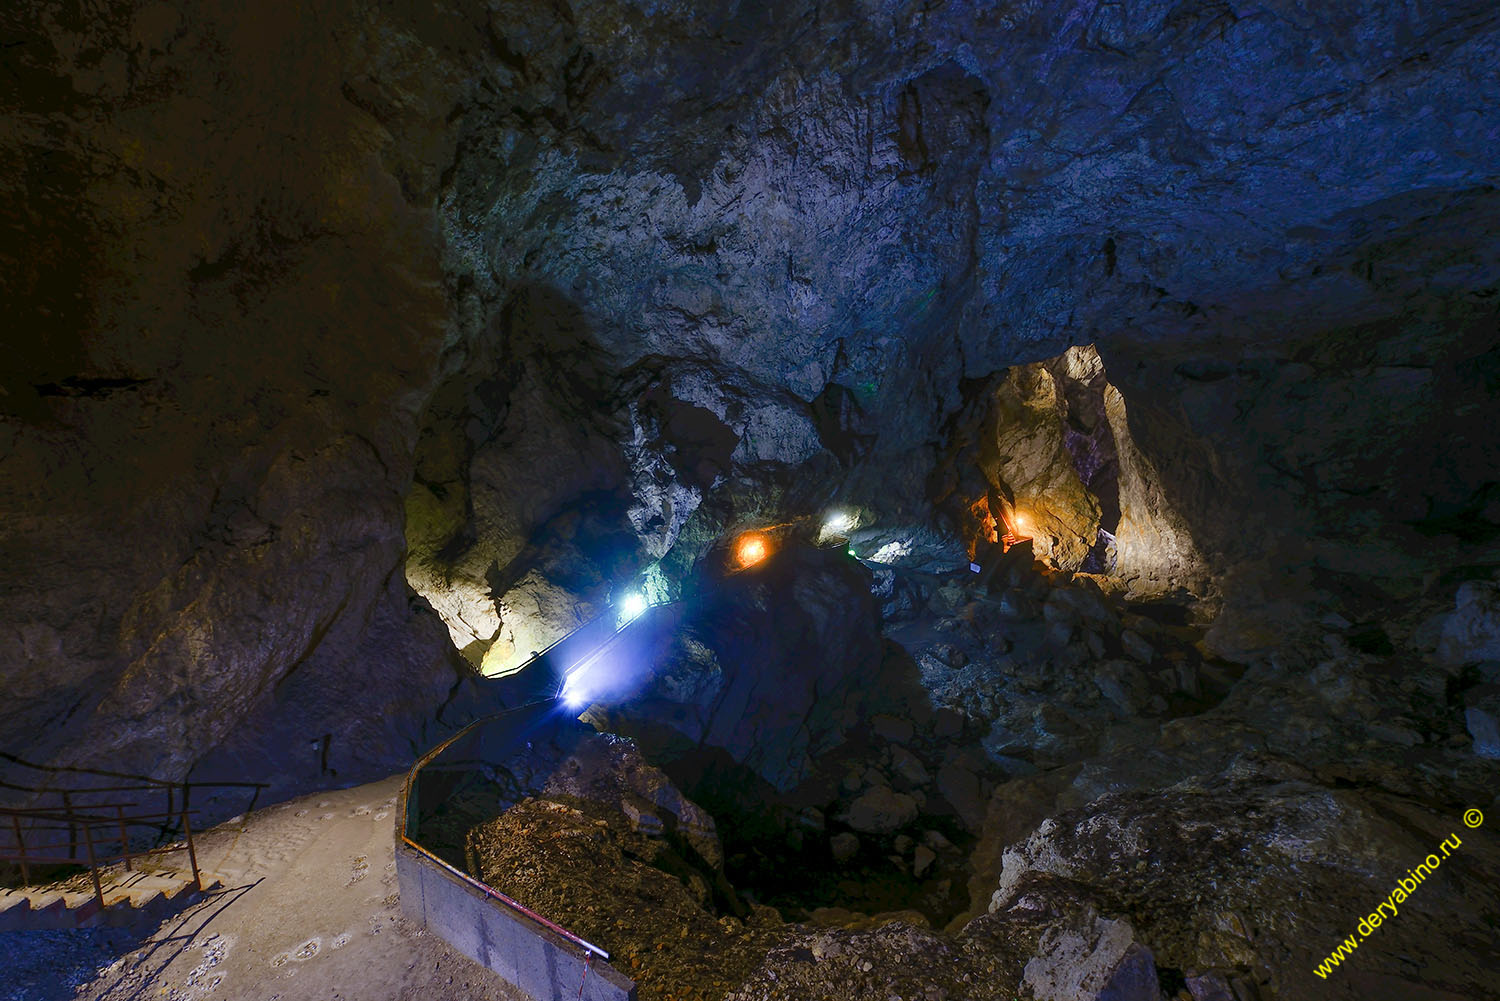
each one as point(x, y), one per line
point(750, 549)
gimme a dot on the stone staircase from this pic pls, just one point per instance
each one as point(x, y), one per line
point(131, 900)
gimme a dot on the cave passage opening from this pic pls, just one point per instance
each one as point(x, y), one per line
point(845, 720)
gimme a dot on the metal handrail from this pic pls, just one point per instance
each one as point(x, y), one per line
point(509, 902)
point(593, 656)
point(140, 818)
point(403, 813)
point(83, 818)
point(137, 780)
point(404, 802)
point(95, 860)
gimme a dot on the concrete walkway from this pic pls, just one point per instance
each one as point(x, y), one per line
point(307, 909)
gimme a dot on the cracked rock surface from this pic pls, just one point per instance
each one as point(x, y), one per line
point(357, 352)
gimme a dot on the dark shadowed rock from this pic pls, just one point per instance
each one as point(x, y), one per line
point(769, 666)
point(881, 811)
point(226, 311)
point(1265, 873)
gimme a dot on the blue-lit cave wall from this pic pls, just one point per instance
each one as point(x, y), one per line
point(512, 299)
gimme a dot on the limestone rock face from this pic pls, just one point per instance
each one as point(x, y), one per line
point(224, 314)
point(512, 299)
point(1044, 452)
point(1221, 852)
point(1333, 471)
point(518, 512)
point(816, 227)
point(1051, 502)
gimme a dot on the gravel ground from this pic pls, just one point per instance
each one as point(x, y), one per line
point(48, 965)
point(583, 865)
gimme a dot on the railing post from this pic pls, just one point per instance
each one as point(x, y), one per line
point(72, 832)
point(88, 843)
point(21, 849)
point(124, 837)
point(192, 855)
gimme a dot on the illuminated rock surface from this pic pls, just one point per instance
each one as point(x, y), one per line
point(358, 350)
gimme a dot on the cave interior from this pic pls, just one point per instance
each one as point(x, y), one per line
point(1039, 460)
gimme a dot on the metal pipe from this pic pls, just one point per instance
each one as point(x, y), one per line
point(192, 855)
point(21, 847)
point(88, 844)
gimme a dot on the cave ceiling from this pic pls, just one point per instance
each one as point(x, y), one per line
point(306, 309)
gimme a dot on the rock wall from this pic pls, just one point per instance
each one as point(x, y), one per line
point(225, 313)
point(817, 224)
point(1344, 473)
point(1044, 452)
point(705, 264)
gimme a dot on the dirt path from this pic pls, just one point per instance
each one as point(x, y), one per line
point(308, 910)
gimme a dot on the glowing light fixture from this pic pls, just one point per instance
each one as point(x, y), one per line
point(750, 549)
point(572, 693)
point(836, 527)
point(632, 606)
point(582, 682)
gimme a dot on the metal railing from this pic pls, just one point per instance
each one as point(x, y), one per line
point(75, 829)
point(471, 755)
point(72, 820)
point(456, 763)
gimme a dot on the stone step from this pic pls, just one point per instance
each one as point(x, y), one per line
point(15, 909)
point(74, 899)
point(145, 899)
point(83, 912)
point(139, 887)
point(48, 911)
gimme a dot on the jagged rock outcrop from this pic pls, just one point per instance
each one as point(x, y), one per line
point(608, 282)
point(1043, 452)
point(1256, 876)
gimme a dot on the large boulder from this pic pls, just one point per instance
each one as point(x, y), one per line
point(1259, 873)
point(1077, 952)
point(1472, 632)
point(881, 811)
